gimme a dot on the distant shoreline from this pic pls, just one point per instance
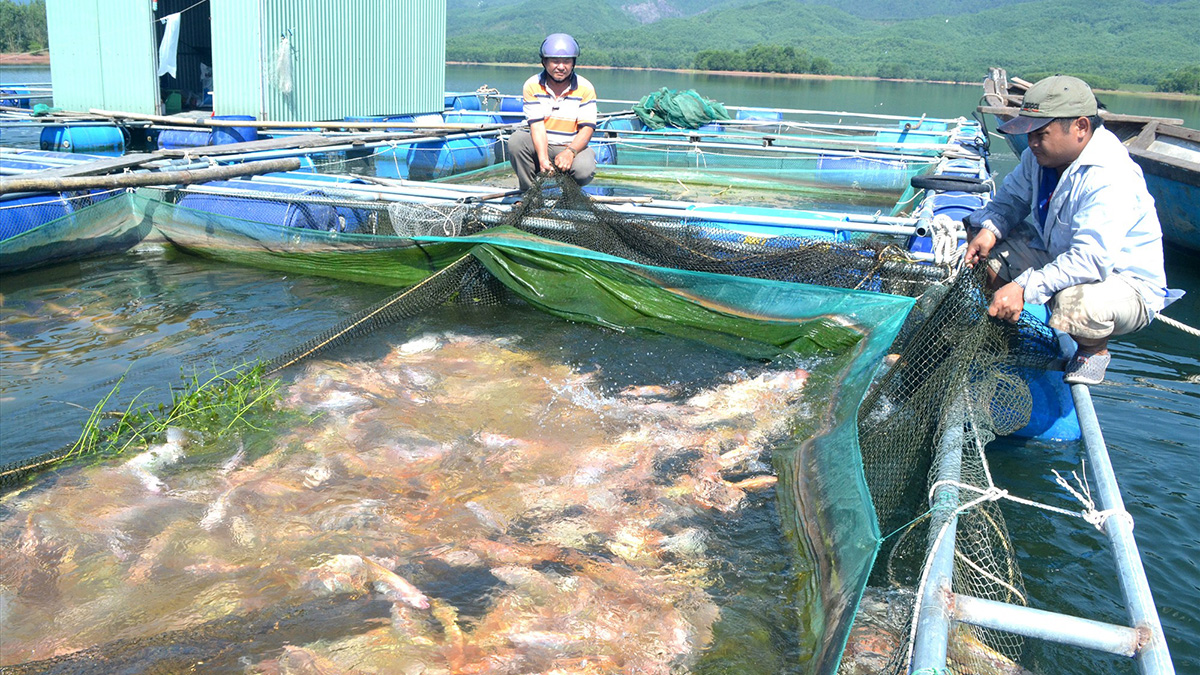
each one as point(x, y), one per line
point(25, 59)
point(1166, 95)
point(43, 59)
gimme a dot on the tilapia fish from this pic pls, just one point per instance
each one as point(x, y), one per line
point(497, 510)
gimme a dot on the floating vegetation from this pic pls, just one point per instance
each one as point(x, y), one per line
point(210, 406)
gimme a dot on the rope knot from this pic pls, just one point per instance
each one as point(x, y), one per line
point(994, 494)
point(1098, 518)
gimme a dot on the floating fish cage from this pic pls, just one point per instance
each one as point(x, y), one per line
point(878, 472)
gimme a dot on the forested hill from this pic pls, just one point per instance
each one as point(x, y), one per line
point(1108, 42)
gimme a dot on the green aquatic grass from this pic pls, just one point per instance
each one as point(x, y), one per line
point(209, 406)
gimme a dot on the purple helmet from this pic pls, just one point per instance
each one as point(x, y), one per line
point(560, 46)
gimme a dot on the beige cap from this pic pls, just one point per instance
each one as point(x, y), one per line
point(1051, 98)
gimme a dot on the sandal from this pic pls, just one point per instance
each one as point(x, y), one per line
point(1086, 369)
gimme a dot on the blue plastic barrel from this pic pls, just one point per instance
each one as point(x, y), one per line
point(463, 102)
point(431, 119)
point(14, 98)
point(170, 139)
point(623, 124)
point(22, 215)
point(265, 210)
point(227, 135)
point(392, 162)
point(95, 140)
point(512, 109)
point(438, 159)
point(606, 151)
point(955, 204)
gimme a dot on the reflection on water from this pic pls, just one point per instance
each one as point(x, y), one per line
point(69, 333)
point(468, 502)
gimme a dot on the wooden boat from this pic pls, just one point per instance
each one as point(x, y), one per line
point(1168, 153)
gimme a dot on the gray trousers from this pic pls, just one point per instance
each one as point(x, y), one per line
point(524, 160)
point(1091, 312)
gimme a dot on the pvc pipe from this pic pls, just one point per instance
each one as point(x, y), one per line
point(933, 621)
point(780, 142)
point(784, 149)
point(1153, 658)
point(792, 111)
point(1051, 626)
point(753, 219)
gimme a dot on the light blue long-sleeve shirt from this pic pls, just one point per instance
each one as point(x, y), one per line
point(1101, 221)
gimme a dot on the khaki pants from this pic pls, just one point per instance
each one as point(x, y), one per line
point(524, 160)
point(1091, 312)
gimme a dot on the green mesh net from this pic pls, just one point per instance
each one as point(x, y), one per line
point(852, 474)
point(46, 230)
point(681, 109)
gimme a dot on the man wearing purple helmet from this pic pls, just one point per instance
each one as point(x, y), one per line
point(560, 108)
point(1073, 226)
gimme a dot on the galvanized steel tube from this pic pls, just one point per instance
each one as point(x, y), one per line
point(1153, 658)
point(933, 621)
point(1051, 626)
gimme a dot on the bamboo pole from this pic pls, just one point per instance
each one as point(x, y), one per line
point(138, 179)
point(266, 124)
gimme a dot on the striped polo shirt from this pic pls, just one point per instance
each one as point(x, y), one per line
point(563, 116)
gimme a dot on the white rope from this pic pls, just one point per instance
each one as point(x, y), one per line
point(944, 232)
point(195, 5)
point(1084, 495)
point(1178, 324)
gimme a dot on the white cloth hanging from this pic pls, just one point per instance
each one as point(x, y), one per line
point(283, 67)
point(169, 48)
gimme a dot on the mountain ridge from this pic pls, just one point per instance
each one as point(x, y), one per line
point(1108, 42)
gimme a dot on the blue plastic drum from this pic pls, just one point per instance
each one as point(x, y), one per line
point(95, 140)
point(264, 210)
point(438, 159)
point(171, 139)
point(18, 216)
point(512, 109)
point(227, 135)
point(463, 102)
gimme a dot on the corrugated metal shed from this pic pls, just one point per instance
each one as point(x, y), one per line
point(102, 55)
point(341, 58)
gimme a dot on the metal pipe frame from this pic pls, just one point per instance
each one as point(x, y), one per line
point(1153, 658)
point(1145, 641)
point(933, 621)
point(1051, 626)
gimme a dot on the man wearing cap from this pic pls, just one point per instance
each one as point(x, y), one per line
point(1073, 226)
point(560, 107)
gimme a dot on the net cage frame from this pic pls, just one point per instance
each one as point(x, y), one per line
point(946, 345)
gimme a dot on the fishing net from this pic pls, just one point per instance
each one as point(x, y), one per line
point(45, 229)
point(853, 480)
point(682, 109)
